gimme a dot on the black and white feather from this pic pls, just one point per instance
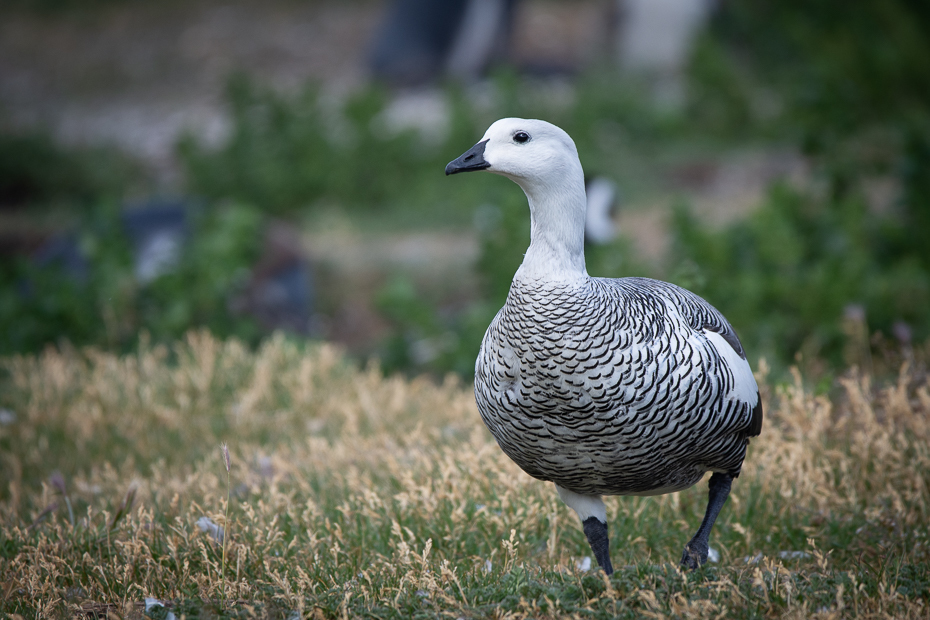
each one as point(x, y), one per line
point(616, 387)
point(625, 386)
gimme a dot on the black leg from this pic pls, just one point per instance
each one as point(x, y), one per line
point(695, 554)
point(600, 544)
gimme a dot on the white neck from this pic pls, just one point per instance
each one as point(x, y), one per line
point(557, 214)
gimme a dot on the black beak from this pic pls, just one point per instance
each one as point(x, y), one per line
point(472, 159)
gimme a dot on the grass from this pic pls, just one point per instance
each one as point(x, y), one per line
point(354, 494)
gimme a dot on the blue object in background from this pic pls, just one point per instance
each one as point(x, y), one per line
point(158, 231)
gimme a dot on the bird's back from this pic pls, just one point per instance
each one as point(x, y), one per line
point(621, 386)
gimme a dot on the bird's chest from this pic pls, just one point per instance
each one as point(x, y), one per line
point(541, 355)
point(565, 355)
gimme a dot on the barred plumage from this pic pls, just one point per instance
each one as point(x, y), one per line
point(611, 387)
point(625, 386)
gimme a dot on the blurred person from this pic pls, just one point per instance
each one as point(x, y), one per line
point(421, 40)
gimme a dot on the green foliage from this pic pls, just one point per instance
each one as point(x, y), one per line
point(34, 171)
point(858, 108)
point(505, 235)
point(861, 112)
point(792, 72)
point(215, 265)
point(720, 97)
point(425, 337)
point(290, 153)
point(97, 298)
point(787, 274)
point(107, 304)
point(815, 53)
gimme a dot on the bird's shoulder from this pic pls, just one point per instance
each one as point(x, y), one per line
point(647, 296)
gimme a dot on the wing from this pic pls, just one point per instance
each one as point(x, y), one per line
point(704, 319)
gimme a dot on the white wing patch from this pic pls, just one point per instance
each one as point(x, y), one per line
point(745, 388)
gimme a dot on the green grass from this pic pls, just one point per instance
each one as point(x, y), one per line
point(353, 494)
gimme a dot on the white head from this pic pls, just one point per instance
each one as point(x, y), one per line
point(530, 152)
point(541, 159)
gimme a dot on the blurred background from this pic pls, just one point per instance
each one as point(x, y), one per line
point(250, 166)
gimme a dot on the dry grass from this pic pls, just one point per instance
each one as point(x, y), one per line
point(354, 494)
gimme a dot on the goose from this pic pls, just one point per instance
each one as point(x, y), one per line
point(603, 386)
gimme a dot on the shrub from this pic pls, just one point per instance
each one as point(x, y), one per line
point(289, 153)
point(102, 302)
point(788, 274)
point(861, 112)
point(37, 172)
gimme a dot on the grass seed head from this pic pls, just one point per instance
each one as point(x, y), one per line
point(357, 490)
point(226, 456)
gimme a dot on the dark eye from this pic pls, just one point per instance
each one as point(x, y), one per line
point(521, 137)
